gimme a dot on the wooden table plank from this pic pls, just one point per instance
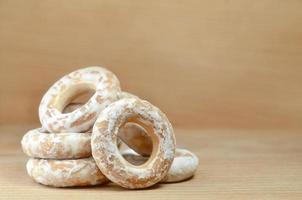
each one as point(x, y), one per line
point(234, 164)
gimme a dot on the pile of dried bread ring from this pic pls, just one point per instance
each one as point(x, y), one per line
point(79, 144)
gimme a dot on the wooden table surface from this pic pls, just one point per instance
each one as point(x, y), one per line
point(234, 164)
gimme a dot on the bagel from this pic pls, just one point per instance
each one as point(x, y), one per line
point(65, 173)
point(102, 81)
point(40, 144)
point(107, 155)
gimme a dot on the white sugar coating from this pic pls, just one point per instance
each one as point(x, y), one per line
point(184, 165)
point(40, 144)
point(107, 156)
point(106, 87)
point(65, 173)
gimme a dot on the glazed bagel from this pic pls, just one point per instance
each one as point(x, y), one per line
point(103, 82)
point(40, 144)
point(183, 167)
point(107, 155)
point(65, 173)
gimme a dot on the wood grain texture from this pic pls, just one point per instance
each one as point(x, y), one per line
point(234, 164)
point(220, 63)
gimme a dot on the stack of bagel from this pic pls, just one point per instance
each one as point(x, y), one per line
point(80, 144)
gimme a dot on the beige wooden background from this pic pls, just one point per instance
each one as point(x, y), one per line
point(213, 63)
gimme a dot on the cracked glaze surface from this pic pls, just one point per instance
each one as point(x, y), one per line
point(65, 173)
point(111, 162)
point(40, 144)
point(106, 86)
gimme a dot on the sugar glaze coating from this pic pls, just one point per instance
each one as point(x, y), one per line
point(106, 86)
point(65, 173)
point(107, 156)
point(39, 143)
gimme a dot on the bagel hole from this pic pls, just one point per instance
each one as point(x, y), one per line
point(78, 98)
point(137, 145)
